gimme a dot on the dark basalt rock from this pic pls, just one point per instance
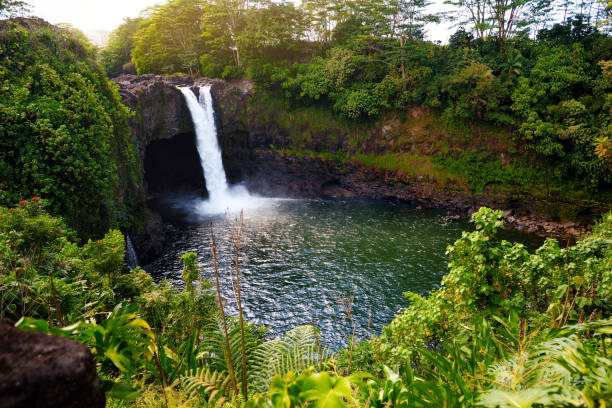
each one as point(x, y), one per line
point(37, 370)
point(161, 111)
point(273, 174)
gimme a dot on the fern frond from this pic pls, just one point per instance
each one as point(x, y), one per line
point(214, 353)
point(296, 352)
point(215, 385)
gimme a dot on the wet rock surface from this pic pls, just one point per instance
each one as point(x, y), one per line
point(161, 116)
point(161, 111)
point(37, 370)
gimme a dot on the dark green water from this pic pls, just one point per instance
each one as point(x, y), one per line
point(299, 256)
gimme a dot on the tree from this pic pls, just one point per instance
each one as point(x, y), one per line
point(540, 12)
point(604, 14)
point(274, 31)
point(116, 57)
point(406, 19)
point(508, 16)
point(323, 16)
point(169, 40)
point(78, 35)
point(474, 14)
point(487, 17)
point(224, 23)
point(472, 91)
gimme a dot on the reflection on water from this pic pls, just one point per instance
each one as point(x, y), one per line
point(299, 256)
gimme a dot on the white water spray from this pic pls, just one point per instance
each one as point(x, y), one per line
point(221, 196)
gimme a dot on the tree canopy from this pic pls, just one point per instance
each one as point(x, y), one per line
point(10, 8)
point(535, 67)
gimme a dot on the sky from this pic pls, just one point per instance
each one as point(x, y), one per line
point(89, 15)
point(105, 15)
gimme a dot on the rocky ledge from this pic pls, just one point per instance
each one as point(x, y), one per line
point(271, 173)
point(161, 112)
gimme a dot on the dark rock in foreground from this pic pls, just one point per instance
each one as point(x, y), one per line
point(38, 370)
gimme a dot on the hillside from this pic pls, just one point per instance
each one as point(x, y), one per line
point(63, 132)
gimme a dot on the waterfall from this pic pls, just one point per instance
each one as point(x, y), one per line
point(221, 196)
point(130, 254)
point(203, 116)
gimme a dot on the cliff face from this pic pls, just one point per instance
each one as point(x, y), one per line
point(158, 106)
point(163, 130)
point(162, 126)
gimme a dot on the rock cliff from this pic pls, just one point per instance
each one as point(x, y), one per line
point(164, 134)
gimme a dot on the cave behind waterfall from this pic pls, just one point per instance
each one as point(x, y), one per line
point(172, 166)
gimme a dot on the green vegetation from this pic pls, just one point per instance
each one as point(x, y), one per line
point(116, 56)
point(140, 332)
point(510, 102)
point(63, 129)
point(507, 327)
point(507, 67)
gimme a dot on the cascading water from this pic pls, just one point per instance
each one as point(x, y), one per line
point(203, 117)
point(130, 254)
point(221, 196)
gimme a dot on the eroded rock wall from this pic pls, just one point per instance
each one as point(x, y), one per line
point(162, 128)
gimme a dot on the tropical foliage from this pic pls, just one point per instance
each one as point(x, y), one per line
point(515, 66)
point(116, 57)
point(507, 327)
point(63, 129)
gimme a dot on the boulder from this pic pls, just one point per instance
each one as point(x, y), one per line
point(38, 370)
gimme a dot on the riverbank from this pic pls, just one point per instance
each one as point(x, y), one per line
point(277, 174)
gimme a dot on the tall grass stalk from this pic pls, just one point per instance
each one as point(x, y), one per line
point(236, 232)
point(346, 302)
point(228, 354)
